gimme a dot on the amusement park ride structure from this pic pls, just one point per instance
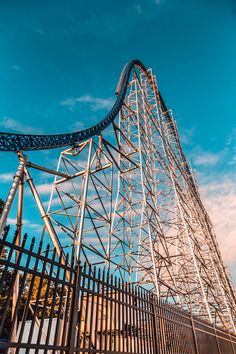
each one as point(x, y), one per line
point(130, 201)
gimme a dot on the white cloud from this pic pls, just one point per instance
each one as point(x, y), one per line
point(207, 159)
point(43, 189)
point(39, 31)
point(69, 102)
point(15, 125)
point(95, 103)
point(77, 126)
point(139, 9)
point(159, 2)
point(28, 223)
point(6, 177)
point(233, 160)
point(219, 197)
point(16, 67)
point(186, 135)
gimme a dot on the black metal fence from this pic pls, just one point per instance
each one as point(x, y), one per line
point(46, 305)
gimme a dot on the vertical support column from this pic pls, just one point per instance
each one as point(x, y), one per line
point(18, 242)
point(11, 195)
point(78, 241)
point(144, 191)
point(194, 261)
point(44, 215)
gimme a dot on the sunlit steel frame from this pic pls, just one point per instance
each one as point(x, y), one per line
point(130, 201)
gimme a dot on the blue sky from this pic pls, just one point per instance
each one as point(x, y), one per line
point(60, 62)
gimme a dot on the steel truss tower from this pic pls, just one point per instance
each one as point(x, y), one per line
point(128, 199)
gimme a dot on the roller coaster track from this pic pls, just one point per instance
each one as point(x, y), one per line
point(27, 142)
point(131, 203)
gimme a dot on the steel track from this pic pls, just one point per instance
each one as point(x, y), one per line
point(27, 142)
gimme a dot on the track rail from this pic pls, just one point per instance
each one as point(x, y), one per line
point(27, 142)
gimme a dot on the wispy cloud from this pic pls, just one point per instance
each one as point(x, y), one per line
point(139, 9)
point(14, 125)
point(233, 160)
point(159, 2)
point(207, 159)
point(39, 31)
point(95, 103)
point(186, 135)
point(25, 222)
point(6, 177)
point(77, 126)
point(219, 197)
point(16, 67)
point(44, 189)
point(204, 158)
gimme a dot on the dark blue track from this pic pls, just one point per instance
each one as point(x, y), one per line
point(27, 142)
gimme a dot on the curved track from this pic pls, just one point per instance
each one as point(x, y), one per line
point(27, 142)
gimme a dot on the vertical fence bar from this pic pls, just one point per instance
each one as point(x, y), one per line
point(161, 327)
point(33, 321)
point(138, 320)
point(50, 321)
point(9, 257)
point(45, 302)
point(13, 337)
point(15, 273)
point(102, 311)
point(111, 313)
point(194, 334)
point(79, 342)
point(128, 326)
point(130, 319)
point(87, 307)
point(119, 316)
point(134, 318)
point(115, 313)
point(91, 330)
point(27, 305)
point(74, 310)
point(123, 316)
point(155, 324)
point(63, 266)
point(143, 321)
point(97, 309)
point(146, 325)
point(231, 343)
point(106, 322)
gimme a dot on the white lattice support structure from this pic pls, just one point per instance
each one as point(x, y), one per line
point(134, 205)
point(129, 201)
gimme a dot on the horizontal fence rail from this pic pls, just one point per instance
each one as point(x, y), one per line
point(48, 306)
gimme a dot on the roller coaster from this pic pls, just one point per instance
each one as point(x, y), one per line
point(27, 142)
point(130, 201)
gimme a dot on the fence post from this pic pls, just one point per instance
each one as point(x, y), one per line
point(155, 326)
point(231, 343)
point(217, 342)
point(194, 334)
point(74, 311)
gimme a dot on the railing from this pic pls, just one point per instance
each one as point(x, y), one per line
point(46, 305)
